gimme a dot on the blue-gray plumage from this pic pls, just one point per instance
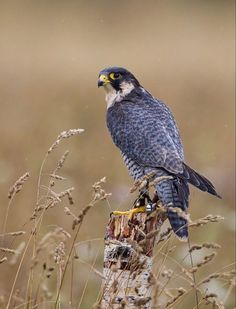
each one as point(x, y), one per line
point(145, 131)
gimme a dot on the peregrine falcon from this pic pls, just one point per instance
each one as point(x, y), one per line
point(145, 131)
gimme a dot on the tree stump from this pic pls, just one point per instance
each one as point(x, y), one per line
point(128, 260)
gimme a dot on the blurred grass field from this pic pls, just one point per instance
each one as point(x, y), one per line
point(51, 53)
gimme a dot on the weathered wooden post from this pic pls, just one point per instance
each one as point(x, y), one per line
point(128, 260)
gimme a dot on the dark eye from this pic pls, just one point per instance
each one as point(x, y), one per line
point(115, 75)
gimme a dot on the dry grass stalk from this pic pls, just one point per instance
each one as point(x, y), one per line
point(167, 273)
point(99, 194)
point(57, 177)
point(206, 259)
point(46, 203)
point(48, 244)
point(16, 233)
point(180, 213)
point(8, 250)
point(59, 253)
point(204, 245)
point(155, 290)
point(18, 185)
point(60, 164)
point(68, 212)
point(52, 252)
point(143, 182)
point(64, 135)
point(180, 292)
point(164, 235)
point(148, 180)
point(61, 136)
point(92, 268)
point(205, 220)
point(224, 275)
point(67, 193)
point(2, 260)
point(17, 253)
point(53, 199)
point(212, 298)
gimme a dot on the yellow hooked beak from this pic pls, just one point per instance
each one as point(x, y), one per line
point(103, 80)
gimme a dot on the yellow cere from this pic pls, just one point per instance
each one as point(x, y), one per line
point(104, 79)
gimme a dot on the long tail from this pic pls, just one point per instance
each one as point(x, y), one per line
point(198, 180)
point(174, 193)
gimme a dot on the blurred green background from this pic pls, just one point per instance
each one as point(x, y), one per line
point(51, 53)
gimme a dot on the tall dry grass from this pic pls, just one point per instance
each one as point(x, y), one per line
point(47, 258)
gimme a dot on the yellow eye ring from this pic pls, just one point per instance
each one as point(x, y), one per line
point(114, 75)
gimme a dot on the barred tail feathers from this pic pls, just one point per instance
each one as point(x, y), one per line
point(174, 193)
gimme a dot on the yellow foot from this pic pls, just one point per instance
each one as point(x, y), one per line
point(130, 212)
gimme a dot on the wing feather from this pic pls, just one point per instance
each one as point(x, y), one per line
point(139, 133)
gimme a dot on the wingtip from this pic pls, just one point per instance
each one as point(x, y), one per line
point(216, 194)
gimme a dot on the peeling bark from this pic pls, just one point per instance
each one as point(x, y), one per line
point(128, 260)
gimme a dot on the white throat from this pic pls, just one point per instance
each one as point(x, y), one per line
point(113, 96)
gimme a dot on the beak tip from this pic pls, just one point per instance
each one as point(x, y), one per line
point(100, 83)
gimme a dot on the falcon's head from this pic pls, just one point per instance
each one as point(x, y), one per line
point(117, 82)
point(116, 77)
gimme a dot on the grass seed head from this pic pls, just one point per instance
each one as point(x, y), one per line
point(18, 185)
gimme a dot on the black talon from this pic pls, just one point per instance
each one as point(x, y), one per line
point(141, 200)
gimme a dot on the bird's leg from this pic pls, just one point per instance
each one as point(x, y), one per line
point(140, 205)
point(130, 212)
point(151, 206)
point(141, 199)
